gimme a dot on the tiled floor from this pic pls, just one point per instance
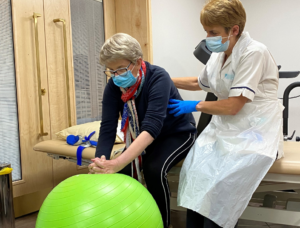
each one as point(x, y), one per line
point(177, 218)
point(27, 221)
point(178, 221)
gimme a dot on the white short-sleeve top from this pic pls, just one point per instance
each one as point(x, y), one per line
point(249, 71)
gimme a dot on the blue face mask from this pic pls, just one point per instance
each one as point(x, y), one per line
point(214, 44)
point(125, 80)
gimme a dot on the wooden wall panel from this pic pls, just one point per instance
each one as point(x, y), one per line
point(149, 27)
point(109, 8)
point(36, 167)
point(134, 18)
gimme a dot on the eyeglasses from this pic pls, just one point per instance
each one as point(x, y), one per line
point(117, 72)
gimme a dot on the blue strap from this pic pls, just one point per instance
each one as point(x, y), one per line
point(81, 148)
point(79, 154)
point(93, 143)
point(86, 139)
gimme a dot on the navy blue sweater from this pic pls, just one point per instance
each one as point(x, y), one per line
point(151, 107)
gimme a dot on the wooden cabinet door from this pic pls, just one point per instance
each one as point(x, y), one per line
point(58, 94)
point(36, 180)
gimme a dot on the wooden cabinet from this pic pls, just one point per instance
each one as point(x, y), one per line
point(37, 178)
point(57, 86)
point(39, 172)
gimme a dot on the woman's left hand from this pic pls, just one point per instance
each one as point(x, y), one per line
point(103, 166)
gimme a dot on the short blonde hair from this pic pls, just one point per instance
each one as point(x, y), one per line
point(225, 13)
point(120, 46)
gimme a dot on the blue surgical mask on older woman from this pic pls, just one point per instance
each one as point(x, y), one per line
point(215, 44)
point(125, 80)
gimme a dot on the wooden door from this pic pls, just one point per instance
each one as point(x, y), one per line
point(57, 73)
point(36, 182)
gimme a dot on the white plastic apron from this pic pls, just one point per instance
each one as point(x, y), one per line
point(230, 157)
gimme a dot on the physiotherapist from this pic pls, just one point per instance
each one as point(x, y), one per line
point(235, 151)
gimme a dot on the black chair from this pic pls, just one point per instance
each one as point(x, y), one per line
point(205, 118)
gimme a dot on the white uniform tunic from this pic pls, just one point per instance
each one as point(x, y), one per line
point(234, 152)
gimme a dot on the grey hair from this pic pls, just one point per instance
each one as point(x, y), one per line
point(120, 46)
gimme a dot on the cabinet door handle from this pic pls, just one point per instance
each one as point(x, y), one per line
point(66, 66)
point(38, 70)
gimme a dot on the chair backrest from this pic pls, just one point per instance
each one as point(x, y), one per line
point(205, 118)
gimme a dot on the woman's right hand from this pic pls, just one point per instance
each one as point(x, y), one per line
point(91, 168)
point(93, 165)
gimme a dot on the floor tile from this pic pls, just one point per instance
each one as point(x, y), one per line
point(178, 220)
point(27, 221)
point(249, 223)
point(283, 226)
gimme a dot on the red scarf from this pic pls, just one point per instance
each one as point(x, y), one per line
point(131, 91)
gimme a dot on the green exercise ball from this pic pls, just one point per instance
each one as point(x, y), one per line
point(99, 201)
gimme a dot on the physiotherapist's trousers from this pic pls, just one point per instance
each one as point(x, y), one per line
point(196, 220)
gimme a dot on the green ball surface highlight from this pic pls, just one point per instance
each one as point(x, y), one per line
point(99, 201)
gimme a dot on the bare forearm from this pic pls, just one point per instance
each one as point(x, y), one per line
point(187, 83)
point(136, 148)
point(230, 106)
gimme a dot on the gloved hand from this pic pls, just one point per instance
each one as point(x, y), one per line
point(181, 107)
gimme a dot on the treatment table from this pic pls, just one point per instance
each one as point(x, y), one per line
point(276, 200)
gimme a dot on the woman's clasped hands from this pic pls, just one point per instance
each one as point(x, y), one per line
point(103, 166)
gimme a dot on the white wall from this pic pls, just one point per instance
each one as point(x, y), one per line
point(177, 30)
point(276, 24)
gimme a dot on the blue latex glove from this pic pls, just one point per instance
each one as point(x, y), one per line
point(181, 107)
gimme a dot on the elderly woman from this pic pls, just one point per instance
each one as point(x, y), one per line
point(155, 140)
point(235, 151)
